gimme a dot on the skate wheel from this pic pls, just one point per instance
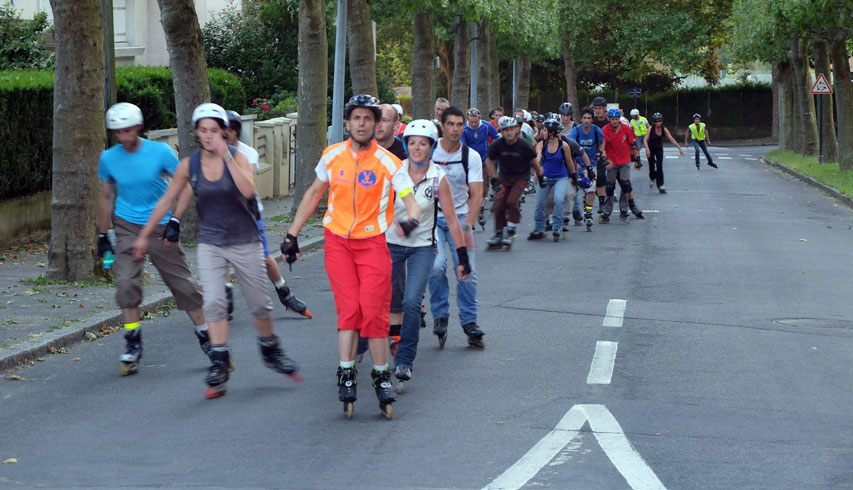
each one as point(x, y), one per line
point(387, 410)
point(129, 369)
point(477, 344)
point(349, 409)
point(307, 314)
point(295, 377)
point(214, 392)
point(441, 340)
point(400, 388)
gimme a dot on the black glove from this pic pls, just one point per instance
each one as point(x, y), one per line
point(289, 248)
point(172, 233)
point(462, 253)
point(590, 173)
point(408, 225)
point(543, 181)
point(104, 245)
point(496, 185)
point(574, 179)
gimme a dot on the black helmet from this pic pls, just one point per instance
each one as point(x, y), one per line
point(540, 117)
point(697, 115)
point(657, 117)
point(566, 109)
point(599, 102)
point(234, 121)
point(366, 101)
point(553, 125)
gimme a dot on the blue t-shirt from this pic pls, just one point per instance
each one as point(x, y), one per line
point(138, 178)
point(478, 139)
point(588, 141)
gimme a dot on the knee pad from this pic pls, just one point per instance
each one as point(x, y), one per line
point(625, 185)
point(610, 188)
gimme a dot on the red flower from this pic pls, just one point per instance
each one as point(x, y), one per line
point(266, 107)
point(254, 101)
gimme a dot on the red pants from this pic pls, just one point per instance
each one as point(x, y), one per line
point(360, 275)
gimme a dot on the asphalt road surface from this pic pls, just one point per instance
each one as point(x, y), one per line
point(707, 347)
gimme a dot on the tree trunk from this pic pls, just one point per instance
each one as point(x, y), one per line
point(796, 143)
point(522, 96)
point(190, 82)
point(774, 89)
point(422, 65)
point(805, 107)
point(821, 65)
point(571, 75)
point(78, 138)
point(313, 53)
point(484, 68)
point(495, 78)
point(843, 90)
point(362, 63)
point(461, 86)
point(782, 80)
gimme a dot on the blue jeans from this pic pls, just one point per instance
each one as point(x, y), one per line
point(410, 271)
point(439, 288)
point(697, 145)
point(559, 186)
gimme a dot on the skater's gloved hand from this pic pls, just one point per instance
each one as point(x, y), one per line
point(542, 181)
point(638, 164)
point(172, 233)
point(408, 225)
point(104, 245)
point(590, 173)
point(574, 179)
point(496, 185)
point(464, 269)
point(290, 248)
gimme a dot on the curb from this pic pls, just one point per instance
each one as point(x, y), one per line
point(41, 346)
point(808, 180)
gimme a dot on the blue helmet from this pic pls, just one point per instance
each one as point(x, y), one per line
point(614, 112)
point(584, 182)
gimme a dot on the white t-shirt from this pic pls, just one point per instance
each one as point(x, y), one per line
point(425, 193)
point(455, 173)
point(254, 160)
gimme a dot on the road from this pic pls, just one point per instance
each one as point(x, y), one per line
point(726, 365)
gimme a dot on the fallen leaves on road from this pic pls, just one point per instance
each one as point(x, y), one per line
point(803, 240)
point(76, 359)
point(14, 377)
point(10, 461)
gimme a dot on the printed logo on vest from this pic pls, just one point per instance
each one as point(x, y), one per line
point(367, 179)
point(368, 229)
point(428, 192)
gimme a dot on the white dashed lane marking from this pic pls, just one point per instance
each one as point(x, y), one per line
point(615, 313)
point(601, 369)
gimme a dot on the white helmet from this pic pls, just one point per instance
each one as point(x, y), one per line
point(211, 110)
point(507, 122)
point(123, 115)
point(421, 127)
point(635, 112)
point(527, 116)
point(398, 108)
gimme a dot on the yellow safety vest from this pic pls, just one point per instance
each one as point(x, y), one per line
point(640, 125)
point(697, 133)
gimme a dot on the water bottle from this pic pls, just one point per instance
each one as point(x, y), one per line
point(109, 258)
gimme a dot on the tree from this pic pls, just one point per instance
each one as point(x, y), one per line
point(844, 101)
point(361, 61)
point(313, 88)
point(461, 75)
point(483, 44)
point(78, 138)
point(820, 48)
point(22, 41)
point(422, 63)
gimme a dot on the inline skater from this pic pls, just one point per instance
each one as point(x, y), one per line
point(566, 113)
point(465, 176)
point(224, 185)
point(591, 140)
point(494, 115)
point(618, 149)
point(360, 176)
point(440, 105)
point(599, 108)
point(516, 157)
point(401, 126)
point(558, 167)
point(290, 302)
point(384, 132)
point(134, 170)
point(413, 248)
point(701, 139)
point(654, 151)
point(478, 136)
point(640, 125)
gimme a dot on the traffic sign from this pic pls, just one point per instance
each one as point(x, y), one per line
point(634, 92)
point(821, 86)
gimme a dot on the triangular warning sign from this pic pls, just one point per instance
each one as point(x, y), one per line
point(821, 86)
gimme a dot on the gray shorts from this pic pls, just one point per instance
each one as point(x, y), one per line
point(250, 271)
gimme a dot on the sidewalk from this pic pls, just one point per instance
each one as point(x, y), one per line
point(38, 317)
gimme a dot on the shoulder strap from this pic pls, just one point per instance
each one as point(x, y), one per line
point(465, 160)
point(195, 167)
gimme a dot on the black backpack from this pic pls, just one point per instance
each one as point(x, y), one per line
point(464, 161)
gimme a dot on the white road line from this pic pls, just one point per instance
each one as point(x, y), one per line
point(670, 156)
point(750, 159)
point(743, 155)
point(724, 158)
point(615, 312)
point(610, 436)
point(601, 369)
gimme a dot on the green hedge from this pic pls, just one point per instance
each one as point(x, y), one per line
point(731, 106)
point(26, 102)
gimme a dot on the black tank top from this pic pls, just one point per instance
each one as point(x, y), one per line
point(226, 217)
point(655, 140)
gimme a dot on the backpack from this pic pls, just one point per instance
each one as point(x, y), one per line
point(464, 161)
